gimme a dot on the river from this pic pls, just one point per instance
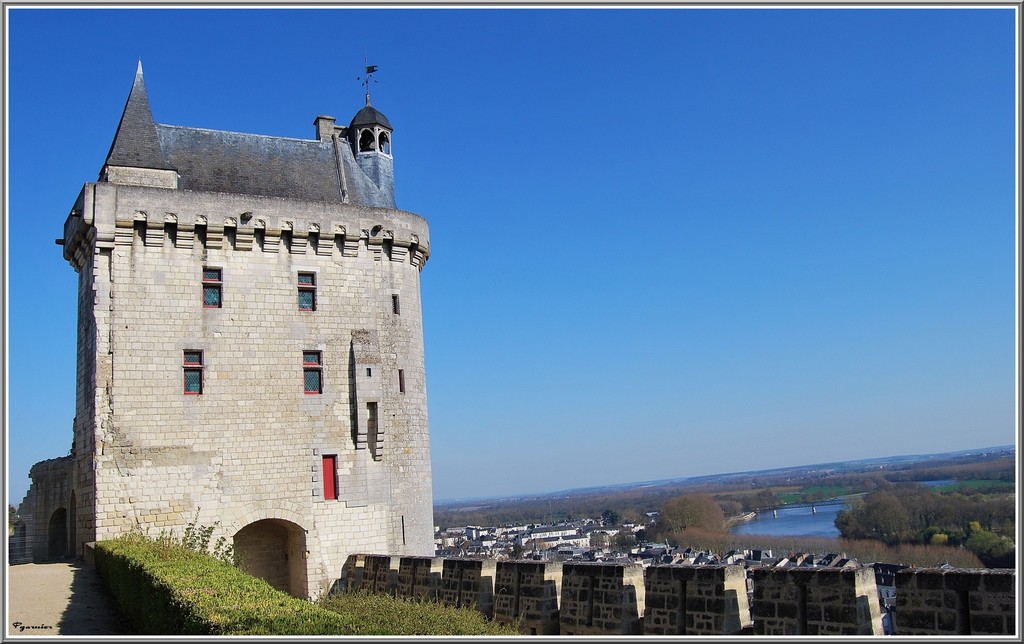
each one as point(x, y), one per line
point(798, 522)
point(801, 522)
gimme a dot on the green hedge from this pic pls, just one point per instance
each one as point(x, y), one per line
point(165, 589)
point(385, 615)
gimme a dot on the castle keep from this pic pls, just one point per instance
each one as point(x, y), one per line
point(250, 348)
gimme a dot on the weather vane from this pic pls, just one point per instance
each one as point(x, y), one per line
point(368, 78)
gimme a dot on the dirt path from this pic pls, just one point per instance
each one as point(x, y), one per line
point(60, 598)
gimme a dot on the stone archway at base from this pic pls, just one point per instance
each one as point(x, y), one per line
point(57, 535)
point(274, 550)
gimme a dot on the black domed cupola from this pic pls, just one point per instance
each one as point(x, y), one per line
point(370, 131)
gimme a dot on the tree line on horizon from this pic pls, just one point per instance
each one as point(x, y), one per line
point(897, 518)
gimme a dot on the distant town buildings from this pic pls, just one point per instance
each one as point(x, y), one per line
point(589, 540)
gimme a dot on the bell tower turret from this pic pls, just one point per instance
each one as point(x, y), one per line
point(369, 134)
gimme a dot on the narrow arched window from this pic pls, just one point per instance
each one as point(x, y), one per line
point(366, 141)
point(384, 143)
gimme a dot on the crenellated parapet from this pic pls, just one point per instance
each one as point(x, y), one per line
point(527, 593)
point(552, 598)
point(931, 601)
point(695, 600)
point(109, 215)
point(816, 601)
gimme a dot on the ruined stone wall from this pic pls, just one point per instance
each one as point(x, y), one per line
point(47, 527)
point(955, 602)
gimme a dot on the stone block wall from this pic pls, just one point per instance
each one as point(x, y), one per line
point(419, 577)
point(468, 583)
point(695, 600)
point(379, 577)
point(47, 528)
point(527, 593)
point(816, 601)
point(955, 602)
point(351, 574)
point(601, 599)
point(553, 598)
point(252, 445)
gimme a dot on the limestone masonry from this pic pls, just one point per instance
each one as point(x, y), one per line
point(608, 599)
point(250, 348)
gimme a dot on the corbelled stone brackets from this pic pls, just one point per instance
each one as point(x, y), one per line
point(469, 583)
point(816, 601)
point(695, 600)
point(527, 593)
point(601, 599)
point(931, 601)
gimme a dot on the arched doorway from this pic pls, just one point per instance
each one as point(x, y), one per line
point(57, 535)
point(274, 550)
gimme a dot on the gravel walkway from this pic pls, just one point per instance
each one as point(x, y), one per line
point(60, 598)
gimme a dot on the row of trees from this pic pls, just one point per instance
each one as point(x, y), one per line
point(917, 515)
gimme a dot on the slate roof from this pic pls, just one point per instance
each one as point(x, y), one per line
point(369, 115)
point(237, 163)
point(135, 143)
point(216, 161)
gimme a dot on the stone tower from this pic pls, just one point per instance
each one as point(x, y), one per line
point(250, 345)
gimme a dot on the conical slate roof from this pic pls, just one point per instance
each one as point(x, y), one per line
point(136, 143)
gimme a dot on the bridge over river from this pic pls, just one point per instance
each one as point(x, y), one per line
point(813, 505)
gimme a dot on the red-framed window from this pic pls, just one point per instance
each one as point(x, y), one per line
point(330, 472)
point(312, 372)
point(307, 291)
point(212, 288)
point(192, 366)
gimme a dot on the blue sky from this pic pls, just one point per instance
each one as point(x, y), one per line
point(665, 243)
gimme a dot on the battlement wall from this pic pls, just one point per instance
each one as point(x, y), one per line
point(551, 598)
point(816, 601)
point(955, 602)
point(108, 215)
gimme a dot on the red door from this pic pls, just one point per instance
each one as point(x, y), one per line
point(330, 470)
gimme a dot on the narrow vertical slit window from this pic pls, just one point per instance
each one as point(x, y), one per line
point(192, 365)
point(212, 285)
point(330, 473)
point(312, 372)
point(307, 291)
point(396, 307)
point(401, 381)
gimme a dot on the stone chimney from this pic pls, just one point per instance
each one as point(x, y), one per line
point(324, 127)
